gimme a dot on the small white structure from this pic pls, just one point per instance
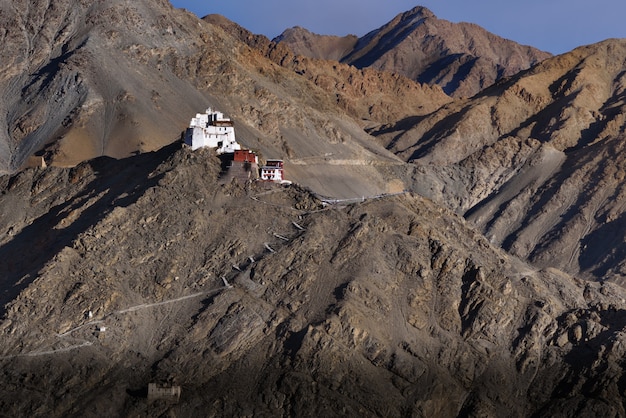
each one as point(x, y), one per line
point(273, 171)
point(212, 129)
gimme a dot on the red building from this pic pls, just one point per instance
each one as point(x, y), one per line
point(245, 156)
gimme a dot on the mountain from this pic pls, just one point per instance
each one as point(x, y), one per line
point(367, 95)
point(260, 301)
point(462, 58)
point(478, 272)
point(535, 161)
point(78, 79)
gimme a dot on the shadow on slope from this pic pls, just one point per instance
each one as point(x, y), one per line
point(455, 68)
point(377, 43)
point(604, 248)
point(588, 356)
point(116, 183)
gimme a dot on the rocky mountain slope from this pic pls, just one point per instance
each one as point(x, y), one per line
point(535, 161)
point(389, 307)
point(308, 44)
point(462, 58)
point(493, 288)
point(367, 95)
point(83, 79)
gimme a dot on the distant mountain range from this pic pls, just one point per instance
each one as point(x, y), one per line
point(462, 58)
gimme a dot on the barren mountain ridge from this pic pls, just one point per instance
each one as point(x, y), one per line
point(479, 272)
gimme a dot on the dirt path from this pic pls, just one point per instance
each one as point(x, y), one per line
point(151, 305)
point(100, 321)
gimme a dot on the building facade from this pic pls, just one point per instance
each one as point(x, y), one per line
point(273, 170)
point(245, 156)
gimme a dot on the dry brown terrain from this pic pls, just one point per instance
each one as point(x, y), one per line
point(389, 307)
point(536, 162)
point(367, 95)
point(119, 78)
point(78, 80)
point(308, 44)
point(493, 288)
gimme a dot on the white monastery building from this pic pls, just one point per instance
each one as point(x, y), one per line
point(212, 129)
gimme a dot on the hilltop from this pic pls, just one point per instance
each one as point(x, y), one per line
point(125, 77)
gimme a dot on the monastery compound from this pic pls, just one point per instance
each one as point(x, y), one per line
point(213, 130)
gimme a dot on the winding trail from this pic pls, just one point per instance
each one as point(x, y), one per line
point(99, 321)
point(48, 352)
point(151, 305)
point(66, 333)
point(194, 295)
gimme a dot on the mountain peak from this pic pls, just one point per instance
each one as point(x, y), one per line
point(418, 11)
point(462, 58)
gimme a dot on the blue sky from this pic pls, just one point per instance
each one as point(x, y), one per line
point(552, 25)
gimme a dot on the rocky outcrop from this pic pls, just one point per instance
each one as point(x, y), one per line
point(308, 44)
point(461, 58)
point(155, 273)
